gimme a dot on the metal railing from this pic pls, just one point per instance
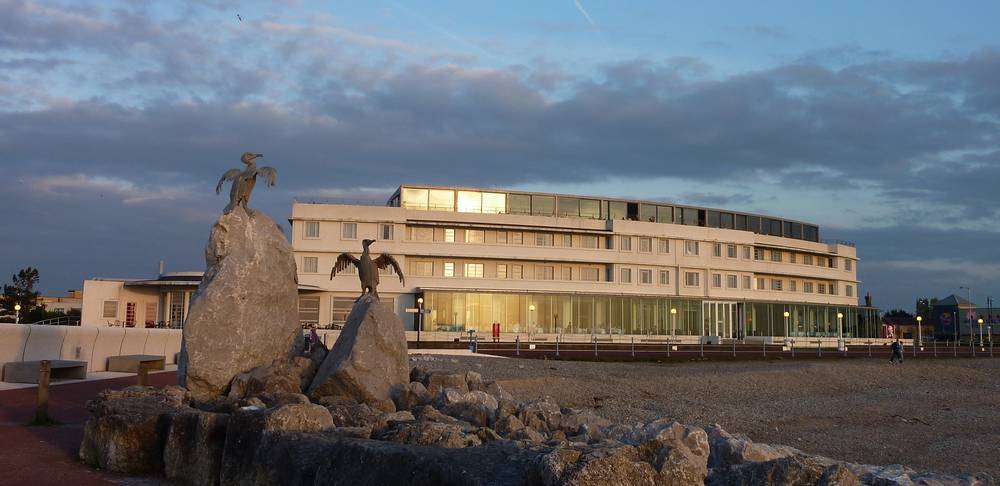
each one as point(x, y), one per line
point(59, 321)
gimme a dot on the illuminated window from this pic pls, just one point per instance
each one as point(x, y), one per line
point(501, 270)
point(449, 235)
point(475, 236)
point(690, 247)
point(473, 270)
point(470, 202)
point(449, 269)
point(441, 200)
point(414, 198)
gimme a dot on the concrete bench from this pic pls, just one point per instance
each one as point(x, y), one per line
point(27, 371)
point(130, 363)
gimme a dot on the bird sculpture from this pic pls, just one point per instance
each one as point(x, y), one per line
point(244, 180)
point(367, 269)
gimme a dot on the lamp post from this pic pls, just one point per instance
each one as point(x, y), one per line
point(17, 313)
point(980, 321)
point(420, 316)
point(920, 333)
point(531, 320)
point(786, 314)
point(673, 321)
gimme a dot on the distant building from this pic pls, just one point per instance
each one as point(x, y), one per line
point(72, 301)
point(159, 302)
point(955, 315)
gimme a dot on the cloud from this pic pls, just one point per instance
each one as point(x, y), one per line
point(583, 12)
point(128, 191)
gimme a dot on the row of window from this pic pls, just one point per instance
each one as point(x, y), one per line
point(348, 230)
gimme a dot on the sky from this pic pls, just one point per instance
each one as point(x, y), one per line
point(878, 121)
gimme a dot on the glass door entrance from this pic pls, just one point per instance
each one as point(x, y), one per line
point(721, 319)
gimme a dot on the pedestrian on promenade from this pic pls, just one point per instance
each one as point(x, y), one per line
point(312, 338)
point(897, 352)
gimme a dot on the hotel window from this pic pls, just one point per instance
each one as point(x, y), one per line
point(312, 229)
point(664, 214)
point(833, 262)
point(730, 251)
point(807, 259)
point(646, 277)
point(501, 270)
point(567, 273)
point(475, 236)
point(473, 270)
point(518, 204)
point(386, 230)
point(791, 258)
point(543, 205)
point(494, 202)
point(645, 245)
point(760, 283)
point(502, 237)
point(349, 231)
point(747, 251)
point(441, 200)
point(691, 279)
point(647, 212)
point(308, 310)
point(717, 280)
point(731, 281)
point(690, 247)
point(664, 277)
point(110, 310)
point(516, 238)
point(421, 234)
point(590, 208)
point(833, 288)
point(310, 264)
point(807, 287)
point(590, 274)
point(758, 254)
point(746, 282)
point(470, 202)
point(775, 256)
point(567, 241)
point(820, 261)
point(848, 264)
point(626, 275)
point(717, 249)
point(775, 284)
point(849, 291)
point(423, 269)
point(389, 270)
point(449, 235)
point(792, 286)
point(414, 198)
point(569, 206)
point(820, 288)
point(544, 272)
point(626, 243)
point(340, 308)
point(151, 314)
point(543, 239)
point(588, 241)
point(449, 269)
point(663, 245)
point(517, 271)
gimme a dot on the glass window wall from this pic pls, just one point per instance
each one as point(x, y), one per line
point(543, 205)
point(470, 202)
point(414, 198)
point(441, 200)
point(519, 204)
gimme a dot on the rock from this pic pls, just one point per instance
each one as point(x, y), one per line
point(252, 434)
point(571, 420)
point(555, 463)
point(678, 453)
point(585, 433)
point(494, 388)
point(245, 312)
point(439, 380)
point(508, 425)
point(609, 465)
point(527, 433)
point(368, 359)
point(280, 376)
point(272, 400)
point(728, 449)
point(418, 374)
point(899, 475)
point(348, 413)
point(127, 429)
point(838, 475)
point(413, 395)
point(543, 415)
point(316, 357)
point(506, 407)
point(475, 413)
point(193, 451)
point(487, 434)
point(425, 432)
point(387, 420)
point(250, 402)
point(781, 471)
point(474, 381)
point(352, 432)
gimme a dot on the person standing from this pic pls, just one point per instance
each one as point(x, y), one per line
point(897, 352)
point(496, 332)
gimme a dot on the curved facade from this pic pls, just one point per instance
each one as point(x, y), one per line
point(574, 265)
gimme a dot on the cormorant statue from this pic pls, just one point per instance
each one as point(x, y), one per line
point(244, 180)
point(367, 269)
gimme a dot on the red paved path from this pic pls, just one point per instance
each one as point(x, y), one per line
point(48, 455)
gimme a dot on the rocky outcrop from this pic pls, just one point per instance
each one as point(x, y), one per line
point(193, 451)
point(282, 375)
point(368, 361)
point(244, 313)
point(127, 428)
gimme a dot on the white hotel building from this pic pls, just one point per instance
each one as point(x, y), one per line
point(582, 266)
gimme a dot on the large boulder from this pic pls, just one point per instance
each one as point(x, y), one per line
point(678, 453)
point(798, 469)
point(611, 464)
point(244, 314)
point(282, 375)
point(127, 428)
point(193, 451)
point(729, 449)
point(369, 359)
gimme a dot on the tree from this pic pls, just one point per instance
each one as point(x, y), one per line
point(898, 313)
point(21, 291)
point(924, 306)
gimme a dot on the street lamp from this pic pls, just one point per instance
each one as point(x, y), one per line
point(673, 321)
point(840, 328)
point(17, 313)
point(786, 326)
point(531, 320)
point(980, 321)
point(920, 333)
point(420, 316)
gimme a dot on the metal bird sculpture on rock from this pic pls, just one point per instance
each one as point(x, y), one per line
point(244, 180)
point(367, 269)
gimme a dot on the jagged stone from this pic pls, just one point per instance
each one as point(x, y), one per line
point(389, 419)
point(797, 469)
point(413, 395)
point(439, 380)
point(678, 453)
point(244, 313)
point(475, 413)
point(506, 407)
point(425, 432)
point(282, 375)
point(527, 433)
point(543, 415)
point(349, 413)
point(555, 463)
point(508, 425)
point(838, 475)
point(193, 451)
point(474, 381)
point(487, 434)
point(368, 359)
point(728, 449)
point(572, 419)
point(609, 465)
point(127, 429)
point(272, 400)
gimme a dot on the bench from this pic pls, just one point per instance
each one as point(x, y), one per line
point(27, 371)
point(130, 363)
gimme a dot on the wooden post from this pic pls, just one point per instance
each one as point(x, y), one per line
point(142, 374)
point(42, 412)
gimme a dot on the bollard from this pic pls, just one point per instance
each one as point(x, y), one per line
point(702, 347)
point(914, 350)
point(819, 347)
point(763, 347)
point(42, 411)
point(734, 348)
point(633, 346)
point(793, 348)
point(595, 346)
point(517, 345)
point(557, 346)
point(934, 342)
point(956, 346)
point(869, 349)
point(668, 346)
point(142, 375)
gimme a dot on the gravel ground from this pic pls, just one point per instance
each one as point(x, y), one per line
point(941, 415)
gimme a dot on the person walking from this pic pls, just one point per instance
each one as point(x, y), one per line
point(897, 352)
